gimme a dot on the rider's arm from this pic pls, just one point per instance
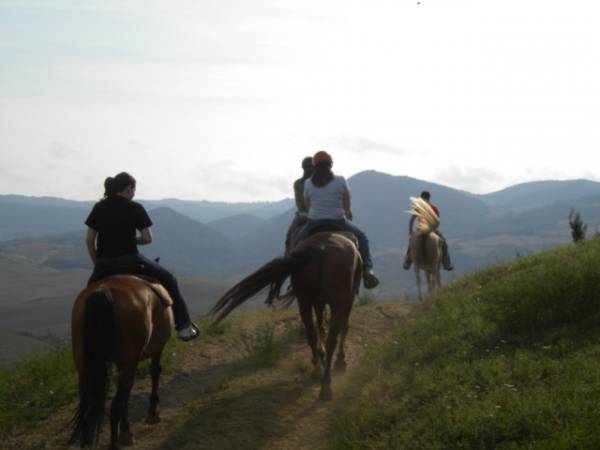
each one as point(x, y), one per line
point(411, 224)
point(307, 203)
point(298, 196)
point(145, 237)
point(90, 243)
point(347, 202)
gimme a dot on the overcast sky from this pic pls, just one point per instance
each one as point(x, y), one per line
point(220, 100)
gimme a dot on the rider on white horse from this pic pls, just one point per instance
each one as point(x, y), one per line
point(425, 195)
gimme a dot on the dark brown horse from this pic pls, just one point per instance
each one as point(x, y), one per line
point(120, 320)
point(325, 269)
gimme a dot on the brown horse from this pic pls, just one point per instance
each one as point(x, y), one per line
point(122, 320)
point(325, 269)
point(426, 246)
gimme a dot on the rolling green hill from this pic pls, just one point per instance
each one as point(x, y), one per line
point(507, 358)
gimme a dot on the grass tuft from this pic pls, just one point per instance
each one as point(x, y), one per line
point(261, 347)
point(30, 390)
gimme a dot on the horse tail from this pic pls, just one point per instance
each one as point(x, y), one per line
point(428, 219)
point(98, 347)
point(272, 274)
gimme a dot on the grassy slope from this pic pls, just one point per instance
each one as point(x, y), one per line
point(508, 358)
point(36, 387)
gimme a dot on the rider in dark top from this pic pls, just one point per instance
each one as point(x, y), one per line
point(301, 211)
point(112, 242)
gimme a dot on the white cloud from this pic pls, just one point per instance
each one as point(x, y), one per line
point(468, 178)
point(473, 92)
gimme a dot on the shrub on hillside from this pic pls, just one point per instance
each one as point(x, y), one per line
point(578, 228)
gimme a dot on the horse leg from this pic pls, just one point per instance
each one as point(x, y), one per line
point(430, 285)
point(340, 362)
point(319, 311)
point(437, 279)
point(319, 314)
point(120, 433)
point(155, 370)
point(334, 329)
point(418, 276)
point(311, 335)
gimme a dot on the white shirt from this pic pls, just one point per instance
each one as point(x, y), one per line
point(326, 202)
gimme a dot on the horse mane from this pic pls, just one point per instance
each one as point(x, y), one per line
point(428, 219)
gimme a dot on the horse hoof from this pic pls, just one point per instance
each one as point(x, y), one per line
point(326, 394)
point(340, 366)
point(152, 419)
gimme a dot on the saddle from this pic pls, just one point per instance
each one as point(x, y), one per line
point(331, 226)
point(137, 270)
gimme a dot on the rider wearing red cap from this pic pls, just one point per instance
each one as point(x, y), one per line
point(327, 197)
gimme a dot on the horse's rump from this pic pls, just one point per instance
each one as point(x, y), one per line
point(425, 250)
point(138, 310)
point(340, 266)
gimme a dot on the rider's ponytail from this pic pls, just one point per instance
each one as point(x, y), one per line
point(116, 184)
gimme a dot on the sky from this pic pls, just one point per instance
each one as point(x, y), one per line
point(221, 100)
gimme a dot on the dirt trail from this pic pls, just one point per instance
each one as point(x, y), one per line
point(214, 398)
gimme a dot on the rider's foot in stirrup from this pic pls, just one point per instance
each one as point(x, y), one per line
point(369, 279)
point(188, 332)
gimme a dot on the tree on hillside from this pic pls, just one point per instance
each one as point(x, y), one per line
point(578, 228)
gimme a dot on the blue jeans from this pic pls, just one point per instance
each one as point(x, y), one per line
point(344, 225)
point(154, 270)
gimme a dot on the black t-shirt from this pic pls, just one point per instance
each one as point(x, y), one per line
point(116, 219)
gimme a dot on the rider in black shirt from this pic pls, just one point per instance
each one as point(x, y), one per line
point(112, 241)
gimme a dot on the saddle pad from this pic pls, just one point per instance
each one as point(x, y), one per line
point(161, 292)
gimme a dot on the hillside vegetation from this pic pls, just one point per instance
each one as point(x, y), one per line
point(508, 358)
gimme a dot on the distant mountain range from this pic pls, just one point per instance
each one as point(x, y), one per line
point(225, 241)
point(31, 217)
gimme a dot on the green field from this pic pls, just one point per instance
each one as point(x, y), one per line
point(508, 358)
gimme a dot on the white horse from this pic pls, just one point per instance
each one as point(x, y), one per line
point(425, 245)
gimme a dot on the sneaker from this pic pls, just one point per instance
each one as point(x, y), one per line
point(188, 332)
point(369, 279)
point(449, 268)
point(406, 265)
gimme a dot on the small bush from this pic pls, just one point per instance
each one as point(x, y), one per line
point(578, 228)
point(208, 327)
point(261, 347)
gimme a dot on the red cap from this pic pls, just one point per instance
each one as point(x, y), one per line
point(322, 156)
